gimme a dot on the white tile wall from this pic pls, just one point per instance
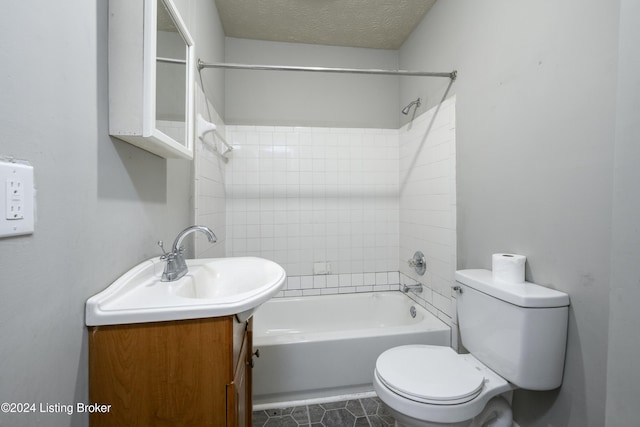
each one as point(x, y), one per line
point(209, 189)
point(300, 196)
point(427, 205)
point(340, 283)
point(359, 200)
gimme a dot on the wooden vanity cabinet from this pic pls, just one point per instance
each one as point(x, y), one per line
point(177, 373)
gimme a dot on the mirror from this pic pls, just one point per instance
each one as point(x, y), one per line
point(151, 77)
point(171, 75)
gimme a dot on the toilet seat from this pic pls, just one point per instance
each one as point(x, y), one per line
point(446, 380)
point(438, 411)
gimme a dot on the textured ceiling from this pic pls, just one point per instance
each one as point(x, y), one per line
point(380, 24)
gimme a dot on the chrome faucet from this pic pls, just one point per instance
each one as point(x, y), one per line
point(417, 288)
point(176, 266)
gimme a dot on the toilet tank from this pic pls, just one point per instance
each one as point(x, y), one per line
point(517, 330)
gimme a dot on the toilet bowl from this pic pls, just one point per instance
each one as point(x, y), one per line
point(447, 389)
point(516, 336)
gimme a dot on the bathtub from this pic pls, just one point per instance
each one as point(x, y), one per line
point(316, 347)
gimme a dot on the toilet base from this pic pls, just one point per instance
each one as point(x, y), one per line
point(497, 413)
point(403, 420)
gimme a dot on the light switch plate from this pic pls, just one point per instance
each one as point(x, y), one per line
point(16, 199)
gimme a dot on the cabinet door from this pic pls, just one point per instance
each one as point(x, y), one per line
point(165, 374)
point(239, 399)
point(249, 374)
point(151, 77)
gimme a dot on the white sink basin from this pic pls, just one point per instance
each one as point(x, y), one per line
point(213, 287)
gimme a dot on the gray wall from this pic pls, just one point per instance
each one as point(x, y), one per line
point(310, 99)
point(535, 129)
point(204, 25)
point(101, 204)
point(623, 373)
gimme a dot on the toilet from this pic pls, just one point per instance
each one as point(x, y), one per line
point(516, 336)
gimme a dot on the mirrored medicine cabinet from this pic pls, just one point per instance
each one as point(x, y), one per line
point(151, 77)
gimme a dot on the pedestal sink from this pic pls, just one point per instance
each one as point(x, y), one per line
point(213, 287)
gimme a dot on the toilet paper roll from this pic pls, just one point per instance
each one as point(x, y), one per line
point(508, 268)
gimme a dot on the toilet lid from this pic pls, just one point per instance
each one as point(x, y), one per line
point(429, 374)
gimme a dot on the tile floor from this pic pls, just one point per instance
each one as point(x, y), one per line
point(366, 412)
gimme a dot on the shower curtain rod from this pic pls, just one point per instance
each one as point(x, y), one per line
point(452, 75)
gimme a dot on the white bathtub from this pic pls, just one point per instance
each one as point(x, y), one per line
point(321, 346)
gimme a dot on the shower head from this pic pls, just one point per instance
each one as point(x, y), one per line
point(406, 109)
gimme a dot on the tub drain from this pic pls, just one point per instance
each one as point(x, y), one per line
point(412, 310)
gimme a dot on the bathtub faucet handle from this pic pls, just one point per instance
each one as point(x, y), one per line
point(418, 263)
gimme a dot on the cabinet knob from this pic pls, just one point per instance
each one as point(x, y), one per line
point(250, 361)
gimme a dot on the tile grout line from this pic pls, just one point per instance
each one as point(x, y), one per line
point(365, 412)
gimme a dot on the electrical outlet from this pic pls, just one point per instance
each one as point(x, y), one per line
point(18, 199)
point(15, 199)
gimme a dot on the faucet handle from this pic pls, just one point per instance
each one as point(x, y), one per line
point(165, 255)
point(418, 263)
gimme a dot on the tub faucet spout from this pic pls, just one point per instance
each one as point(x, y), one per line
point(417, 288)
point(176, 266)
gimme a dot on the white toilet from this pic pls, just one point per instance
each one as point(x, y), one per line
point(516, 335)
